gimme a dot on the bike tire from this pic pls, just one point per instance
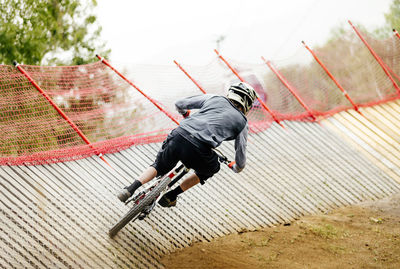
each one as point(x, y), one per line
point(135, 210)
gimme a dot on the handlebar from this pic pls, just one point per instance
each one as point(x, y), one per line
point(223, 159)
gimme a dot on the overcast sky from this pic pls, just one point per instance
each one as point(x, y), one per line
point(159, 31)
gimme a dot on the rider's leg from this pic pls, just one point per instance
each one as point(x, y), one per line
point(148, 175)
point(169, 199)
point(189, 182)
point(145, 177)
point(165, 161)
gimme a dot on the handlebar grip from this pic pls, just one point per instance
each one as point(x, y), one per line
point(231, 164)
point(186, 114)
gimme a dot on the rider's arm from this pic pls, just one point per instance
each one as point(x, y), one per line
point(193, 102)
point(240, 149)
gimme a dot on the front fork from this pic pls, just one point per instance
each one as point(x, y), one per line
point(147, 209)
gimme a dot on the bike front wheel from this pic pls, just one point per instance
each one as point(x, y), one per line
point(137, 208)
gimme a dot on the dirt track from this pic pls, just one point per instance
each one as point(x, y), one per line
point(362, 236)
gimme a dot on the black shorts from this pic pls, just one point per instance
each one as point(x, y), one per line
point(202, 159)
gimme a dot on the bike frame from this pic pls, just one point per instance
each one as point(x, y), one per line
point(146, 200)
point(222, 159)
point(174, 175)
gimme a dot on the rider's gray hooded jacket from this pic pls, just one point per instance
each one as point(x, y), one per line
point(217, 120)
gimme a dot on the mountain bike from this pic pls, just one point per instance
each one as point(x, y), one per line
point(146, 200)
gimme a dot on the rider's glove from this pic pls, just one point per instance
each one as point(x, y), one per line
point(186, 114)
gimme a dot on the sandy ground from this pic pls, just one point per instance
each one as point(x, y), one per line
point(363, 236)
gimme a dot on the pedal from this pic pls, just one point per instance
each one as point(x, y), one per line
point(142, 216)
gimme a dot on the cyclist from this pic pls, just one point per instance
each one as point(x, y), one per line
point(218, 119)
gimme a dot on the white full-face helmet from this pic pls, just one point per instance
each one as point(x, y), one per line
point(243, 94)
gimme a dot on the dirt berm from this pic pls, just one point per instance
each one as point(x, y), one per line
point(366, 235)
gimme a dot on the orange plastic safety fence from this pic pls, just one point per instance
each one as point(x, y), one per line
point(113, 115)
point(106, 109)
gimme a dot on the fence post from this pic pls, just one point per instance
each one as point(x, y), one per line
point(288, 86)
point(396, 33)
point(241, 79)
point(388, 68)
point(192, 79)
point(331, 77)
point(104, 61)
point(377, 58)
point(62, 114)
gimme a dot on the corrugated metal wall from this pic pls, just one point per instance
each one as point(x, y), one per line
point(58, 215)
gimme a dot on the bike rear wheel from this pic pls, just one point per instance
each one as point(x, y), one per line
point(137, 208)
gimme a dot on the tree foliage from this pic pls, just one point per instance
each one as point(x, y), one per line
point(61, 32)
point(393, 16)
point(49, 32)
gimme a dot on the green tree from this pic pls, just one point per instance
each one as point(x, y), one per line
point(57, 32)
point(393, 16)
point(49, 32)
